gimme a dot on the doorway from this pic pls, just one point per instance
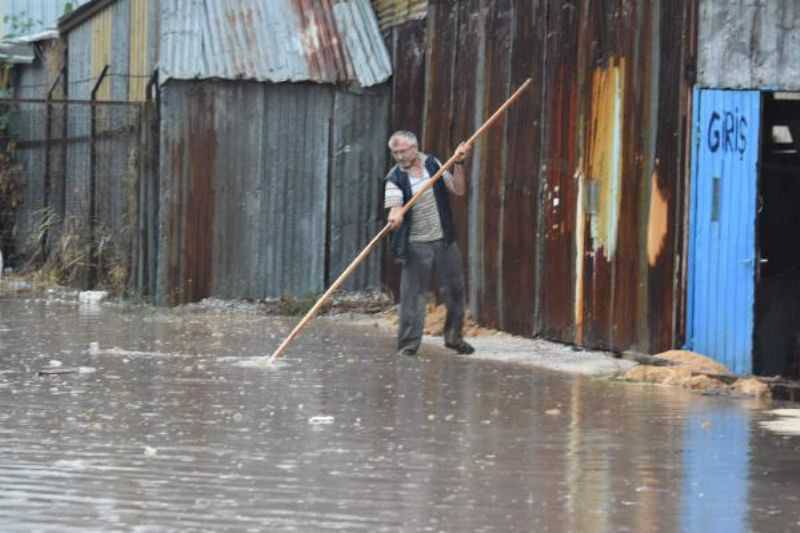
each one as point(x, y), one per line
point(777, 309)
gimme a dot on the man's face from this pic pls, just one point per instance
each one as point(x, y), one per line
point(404, 152)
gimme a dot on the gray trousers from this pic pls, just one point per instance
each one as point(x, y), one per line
point(422, 259)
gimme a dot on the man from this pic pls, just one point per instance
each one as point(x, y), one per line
point(424, 240)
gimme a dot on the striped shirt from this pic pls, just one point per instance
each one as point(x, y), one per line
point(425, 224)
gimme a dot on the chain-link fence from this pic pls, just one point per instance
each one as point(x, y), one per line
point(88, 169)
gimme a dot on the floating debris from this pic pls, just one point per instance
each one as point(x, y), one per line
point(92, 296)
point(320, 419)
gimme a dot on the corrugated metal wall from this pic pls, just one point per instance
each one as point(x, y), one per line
point(124, 37)
point(574, 213)
point(100, 41)
point(722, 252)
point(27, 127)
point(79, 66)
point(358, 158)
point(266, 190)
point(749, 45)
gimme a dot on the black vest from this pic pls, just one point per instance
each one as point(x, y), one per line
point(399, 242)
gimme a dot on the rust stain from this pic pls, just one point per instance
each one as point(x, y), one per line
point(175, 215)
point(605, 152)
point(656, 221)
point(320, 42)
point(580, 243)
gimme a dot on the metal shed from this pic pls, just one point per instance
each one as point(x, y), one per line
point(273, 123)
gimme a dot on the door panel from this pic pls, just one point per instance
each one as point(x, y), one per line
point(722, 248)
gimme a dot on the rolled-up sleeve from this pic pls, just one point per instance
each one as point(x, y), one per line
point(392, 196)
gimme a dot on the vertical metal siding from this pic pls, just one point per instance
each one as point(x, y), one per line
point(139, 39)
point(296, 130)
point(437, 108)
point(245, 175)
point(239, 124)
point(80, 88)
point(521, 208)
point(101, 25)
point(604, 120)
point(187, 216)
point(493, 156)
point(559, 190)
point(120, 50)
point(358, 162)
point(27, 125)
point(722, 230)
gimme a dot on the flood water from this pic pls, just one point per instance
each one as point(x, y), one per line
point(163, 429)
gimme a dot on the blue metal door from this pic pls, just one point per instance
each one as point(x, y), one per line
point(722, 226)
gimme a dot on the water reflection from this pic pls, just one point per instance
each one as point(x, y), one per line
point(716, 465)
point(170, 433)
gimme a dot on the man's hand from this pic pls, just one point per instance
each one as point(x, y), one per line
point(462, 152)
point(395, 219)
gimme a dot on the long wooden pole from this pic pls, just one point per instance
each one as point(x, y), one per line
point(414, 199)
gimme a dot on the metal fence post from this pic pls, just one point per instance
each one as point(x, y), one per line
point(47, 178)
point(93, 181)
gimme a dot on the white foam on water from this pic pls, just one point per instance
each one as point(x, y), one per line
point(786, 412)
point(320, 419)
point(71, 464)
point(262, 362)
point(94, 349)
point(788, 422)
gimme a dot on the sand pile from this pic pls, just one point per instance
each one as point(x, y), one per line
point(696, 372)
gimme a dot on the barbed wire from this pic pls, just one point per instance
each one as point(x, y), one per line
point(85, 80)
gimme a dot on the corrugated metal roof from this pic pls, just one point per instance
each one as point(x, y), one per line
point(16, 53)
point(327, 41)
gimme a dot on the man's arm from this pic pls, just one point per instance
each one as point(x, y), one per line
point(393, 201)
point(458, 185)
point(395, 218)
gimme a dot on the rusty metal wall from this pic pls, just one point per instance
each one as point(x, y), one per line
point(266, 190)
point(574, 214)
point(324, 41)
